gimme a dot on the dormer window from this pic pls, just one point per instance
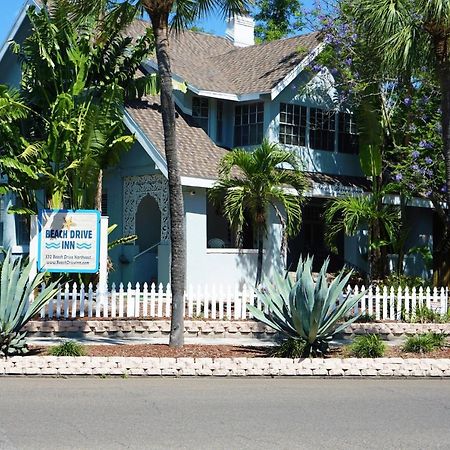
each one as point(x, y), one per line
point(292, 124)
point(248, 124)
point(200, 112)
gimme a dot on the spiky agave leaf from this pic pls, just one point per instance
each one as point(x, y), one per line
point(307, 310)
point(16, 309)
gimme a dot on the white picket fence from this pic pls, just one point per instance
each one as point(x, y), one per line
point(218, 302)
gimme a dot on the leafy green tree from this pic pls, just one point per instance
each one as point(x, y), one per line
point(395, 109)
point(408, 35)
point(277, 19)
point(252, 182)
point(76, 75)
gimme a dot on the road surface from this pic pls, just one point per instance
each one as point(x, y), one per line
point(227, 414)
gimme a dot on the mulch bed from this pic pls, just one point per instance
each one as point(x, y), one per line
point(219, 351)
point(164, 351)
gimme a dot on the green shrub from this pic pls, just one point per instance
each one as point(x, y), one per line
point(402, 281)
point(368, 346)
point(439, 340)
point(366, 318)
point(15, 307)
point(425, 343)
point(423, 314)
point(290, 348)
point(305, 309)
point(68, 348)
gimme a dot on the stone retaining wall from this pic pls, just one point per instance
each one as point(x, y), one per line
point(135, 328)
point(222, 367)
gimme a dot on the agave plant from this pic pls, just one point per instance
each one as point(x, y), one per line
point(304, 310)
point(16, 309)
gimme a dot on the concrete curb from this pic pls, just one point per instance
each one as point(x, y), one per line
point(223, 367)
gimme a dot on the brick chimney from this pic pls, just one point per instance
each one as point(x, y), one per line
point(241, 31)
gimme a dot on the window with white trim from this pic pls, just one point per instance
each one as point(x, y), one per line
point(322, 129)
point(292, 129)
point(348, 141)
point(248, 124)
point(200, 111)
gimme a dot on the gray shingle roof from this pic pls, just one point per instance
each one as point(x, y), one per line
point(199, 156)
point(213, 63)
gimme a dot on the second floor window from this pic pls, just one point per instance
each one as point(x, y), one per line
point(249, 124)
point(348, 134)
point(322, 126)
point(219, 136)
point(200, 111)
point(292, 124)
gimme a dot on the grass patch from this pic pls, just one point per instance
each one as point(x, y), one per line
point(425, 343)
point(368, 346)
point(68, 348)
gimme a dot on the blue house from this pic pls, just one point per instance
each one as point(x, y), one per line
point(236, 94)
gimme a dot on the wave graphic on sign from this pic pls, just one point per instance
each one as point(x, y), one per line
point(53, 245)
point(84, 246)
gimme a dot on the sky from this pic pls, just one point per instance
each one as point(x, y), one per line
point(9, 10)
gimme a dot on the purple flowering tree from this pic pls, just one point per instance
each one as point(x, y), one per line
point(408, 35)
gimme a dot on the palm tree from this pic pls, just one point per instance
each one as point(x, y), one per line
point(252, 182)
point(184, 13)
point(350, 214)
point(178, 15)
point(408, 35)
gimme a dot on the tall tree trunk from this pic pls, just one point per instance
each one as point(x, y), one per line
point(177, 235)
point(260, 255)
point(99, 192)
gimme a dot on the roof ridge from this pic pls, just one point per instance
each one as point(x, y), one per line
point(276, 41)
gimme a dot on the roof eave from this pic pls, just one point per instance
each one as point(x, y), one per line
point(17, 24)
point(146, 143)
point(206, 93)
point(295, 72)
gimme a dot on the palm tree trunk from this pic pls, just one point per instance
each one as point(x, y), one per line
point(178, 250)
point(99, 191)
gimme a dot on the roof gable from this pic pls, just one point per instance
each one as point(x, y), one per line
point(212, 63)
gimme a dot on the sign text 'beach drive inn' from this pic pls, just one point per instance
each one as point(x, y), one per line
point(69, 241)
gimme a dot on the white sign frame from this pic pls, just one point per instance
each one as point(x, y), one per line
point(51, 241)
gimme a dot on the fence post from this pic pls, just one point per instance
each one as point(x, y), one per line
point(377, 302)
point(444, 301)
point(169, 300)
point(145, 300)
point(102, 290)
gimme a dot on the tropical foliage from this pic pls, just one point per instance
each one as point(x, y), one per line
point(15, 307)
point(411, 38)
point(252, 182)
point(76, 74)
point(277, 19)
point(309, 311)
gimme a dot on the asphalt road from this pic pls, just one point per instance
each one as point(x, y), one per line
point(223, 414)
